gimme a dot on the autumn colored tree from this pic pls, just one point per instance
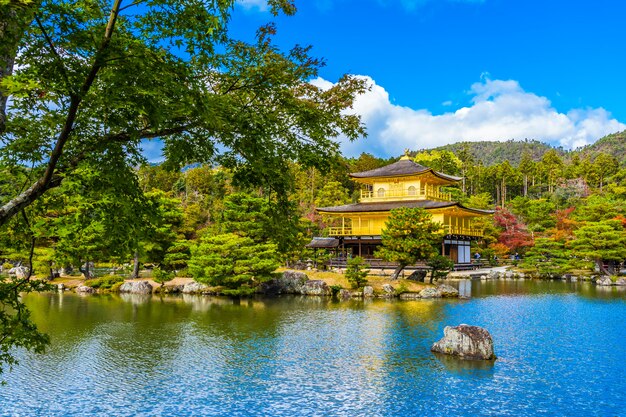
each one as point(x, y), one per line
point(514, 233)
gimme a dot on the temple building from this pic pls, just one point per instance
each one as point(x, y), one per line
point(358, 227)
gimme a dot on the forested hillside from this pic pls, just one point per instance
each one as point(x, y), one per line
point(492, 152)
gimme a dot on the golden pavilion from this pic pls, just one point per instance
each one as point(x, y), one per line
point(402, 184)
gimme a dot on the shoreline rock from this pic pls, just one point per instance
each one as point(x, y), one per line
point(136, 287)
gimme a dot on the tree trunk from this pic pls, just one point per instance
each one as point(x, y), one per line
point(135, 273)
point(525, 185)
point(397, 272)
point(601, 268)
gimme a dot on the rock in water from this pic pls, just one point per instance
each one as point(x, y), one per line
point(430, 292)
point(606, 281)
point(290, 282)
point(194, 288)
point(368, 291)
point(136, 287)
point(467, 342)
point(315, 287)
point(448, 291)
point(83, 289)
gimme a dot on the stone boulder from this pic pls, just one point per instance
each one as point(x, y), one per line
point(344, 294)
point(389, 290)
point(83, 289)
point(604, 281)
point(368, 292)
point(19, 272)
point(448, 291)
point(466, 342)
point(136, 287)
point(315, 287)
point(290, 282)
point(194, 288)
point(430, 292)
point(621, 282)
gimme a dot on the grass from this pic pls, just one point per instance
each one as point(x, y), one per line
point(375, 281)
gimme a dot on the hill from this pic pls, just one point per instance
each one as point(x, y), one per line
point(613, 144)
point(492, 152)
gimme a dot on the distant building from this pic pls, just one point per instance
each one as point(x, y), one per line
point(403, 184)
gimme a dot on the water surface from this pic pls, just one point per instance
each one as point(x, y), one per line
point(560, 347)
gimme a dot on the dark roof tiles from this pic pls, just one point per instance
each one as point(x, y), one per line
point(401, 168)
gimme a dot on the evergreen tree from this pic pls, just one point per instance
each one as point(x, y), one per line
point(548, 257)
point(409, 236)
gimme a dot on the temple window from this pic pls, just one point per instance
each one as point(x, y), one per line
point(381, 192)
point(412, 190)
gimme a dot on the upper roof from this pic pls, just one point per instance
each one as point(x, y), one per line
point(390, 205)
point(323, 242)
point(404, 167)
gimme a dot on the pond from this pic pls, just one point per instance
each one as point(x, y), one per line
point(561, 351)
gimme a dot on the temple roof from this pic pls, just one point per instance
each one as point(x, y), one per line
point(323, 243)
point(390, 205)
point(404, 167)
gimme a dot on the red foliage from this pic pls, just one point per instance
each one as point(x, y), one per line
point(514, 235)
point(565, 226)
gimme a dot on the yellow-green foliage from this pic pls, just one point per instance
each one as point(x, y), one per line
point(105, 283)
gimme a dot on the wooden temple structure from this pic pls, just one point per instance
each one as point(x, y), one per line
point(402, 184)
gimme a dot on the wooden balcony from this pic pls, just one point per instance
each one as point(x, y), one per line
point(371, 231)
point(428, 193)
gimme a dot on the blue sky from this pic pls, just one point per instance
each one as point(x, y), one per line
point(448, 70)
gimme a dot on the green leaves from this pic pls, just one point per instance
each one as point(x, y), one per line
point(409, 236)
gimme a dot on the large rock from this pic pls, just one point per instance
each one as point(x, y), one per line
point(368, 291)
point(621, 282)
point(136, 287)
point(344, 294)
point(315, 287)
point(83, 289)
point(467, 342)
point(194, 288)
point(430, 292)
point(19, 272)
point(604, 281)
point(290, 282)
point(388, 289)
point(447, 290)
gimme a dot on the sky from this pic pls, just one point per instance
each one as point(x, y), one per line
point(443, 71)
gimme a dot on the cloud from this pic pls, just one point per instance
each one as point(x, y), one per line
point(500, 110)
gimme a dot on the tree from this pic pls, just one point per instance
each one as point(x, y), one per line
point(604, 166)
point(527, 169)
point(514, 234)
point(356, 272)
point(232, 261)
point(91, 80)
point(600, 242)
point(548, 257)
point(552, 166)
point(409, 236)
point(439, 265)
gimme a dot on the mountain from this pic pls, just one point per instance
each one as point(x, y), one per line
point(614, 144)
point(491, 152)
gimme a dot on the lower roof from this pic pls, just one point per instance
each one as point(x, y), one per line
point(390, 205)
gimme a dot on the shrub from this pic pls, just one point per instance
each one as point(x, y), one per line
point(162, 276)
point(440, 266)
point(334, 289)
point(356, 272)
point(104, 283)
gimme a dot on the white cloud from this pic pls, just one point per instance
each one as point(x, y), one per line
point(500, 110)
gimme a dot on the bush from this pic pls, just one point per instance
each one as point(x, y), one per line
point(356, 272)
point(440, 266)
point(104, 283)
point(334, 289)
point(6, 266)
point(161, 276)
